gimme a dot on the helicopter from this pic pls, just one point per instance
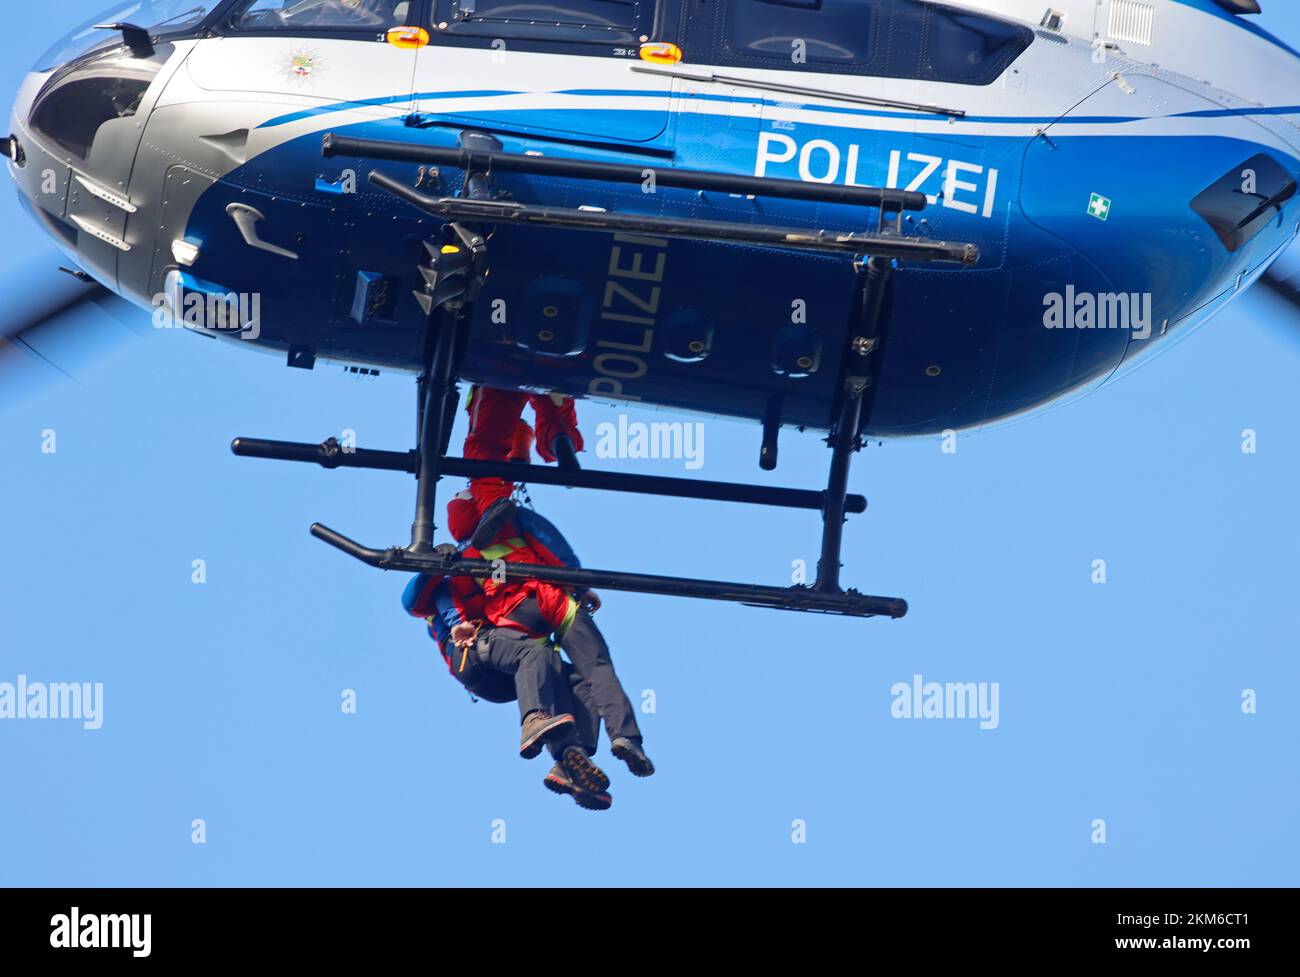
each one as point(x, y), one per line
point(870, 218)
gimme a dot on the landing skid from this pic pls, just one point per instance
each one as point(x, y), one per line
point(848, 603)
point(418, 558)
point(452, 273)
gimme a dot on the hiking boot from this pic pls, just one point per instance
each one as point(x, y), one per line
point(558, 781)
point(540, 727)
point(565, 455)
point(630, 752)
point(491, 523)
point(582, 771)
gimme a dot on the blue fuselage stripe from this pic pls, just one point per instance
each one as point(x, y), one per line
point(763, 102)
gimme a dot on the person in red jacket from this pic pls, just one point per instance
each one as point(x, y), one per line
point(537, 608)
point(497, 432)
point(551, 611)
point(506, 665)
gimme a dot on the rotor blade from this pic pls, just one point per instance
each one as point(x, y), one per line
point(53, 325)
point(36, 291)
point(1275, 301)
point(1283, 279)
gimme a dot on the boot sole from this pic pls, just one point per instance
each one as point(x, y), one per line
point(531, 748)
point(634, 763)
point(491, 525)
point(593, 802)
point(587, 801)
point(588, 777)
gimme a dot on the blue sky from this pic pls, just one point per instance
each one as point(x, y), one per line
point(222, 701)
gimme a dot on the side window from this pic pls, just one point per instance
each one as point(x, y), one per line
point(367, 15)
point(880, 38)
point(968, 48)
point(610, 14)
point(795, 32)
point(73, 113)
point(80, 98)
point(597, 21)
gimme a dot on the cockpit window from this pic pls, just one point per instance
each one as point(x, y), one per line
point(882, 38)
point(624, 23)
point(1245, 200)
point(159, 17)
point(367, 15)
point(77, 101)
point(802, 31)
point(576, 13)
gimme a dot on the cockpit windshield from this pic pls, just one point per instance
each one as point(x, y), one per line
point(157, 16)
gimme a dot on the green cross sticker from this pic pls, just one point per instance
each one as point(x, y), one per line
point(1099, 207)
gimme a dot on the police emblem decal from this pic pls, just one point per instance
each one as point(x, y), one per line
point(303, 65)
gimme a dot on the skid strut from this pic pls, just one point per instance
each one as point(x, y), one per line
point(862, 360)
point(450, 277)
point(433, 417)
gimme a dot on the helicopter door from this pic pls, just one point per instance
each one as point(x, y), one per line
point(319, 57)
point(551, 67)
point(805, 89)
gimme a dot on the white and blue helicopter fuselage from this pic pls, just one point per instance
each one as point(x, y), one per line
point(1124, 168)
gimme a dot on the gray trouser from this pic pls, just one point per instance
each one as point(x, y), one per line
point(589, 652)
point(586, 648)
point(541, 683)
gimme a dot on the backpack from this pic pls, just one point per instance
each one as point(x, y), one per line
point(444, 602)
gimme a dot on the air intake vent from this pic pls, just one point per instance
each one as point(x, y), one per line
point(1131, 21)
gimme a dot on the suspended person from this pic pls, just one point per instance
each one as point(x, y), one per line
point(553, 612)
point(504, 665)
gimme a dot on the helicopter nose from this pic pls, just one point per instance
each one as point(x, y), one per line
point(77, 130)
point(13, 146)
point(41, 178)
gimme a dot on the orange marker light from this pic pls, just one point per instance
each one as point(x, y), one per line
point(408, 37)
point(661, 52)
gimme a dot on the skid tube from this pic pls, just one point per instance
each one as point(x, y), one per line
point(494, 161)
point(848, 603)
point(844, 242)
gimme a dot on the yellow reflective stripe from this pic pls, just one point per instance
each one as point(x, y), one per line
point(471, 405)
point(570, 616)
point(502, 550)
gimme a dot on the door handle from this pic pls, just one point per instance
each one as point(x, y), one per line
point(247, 218)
